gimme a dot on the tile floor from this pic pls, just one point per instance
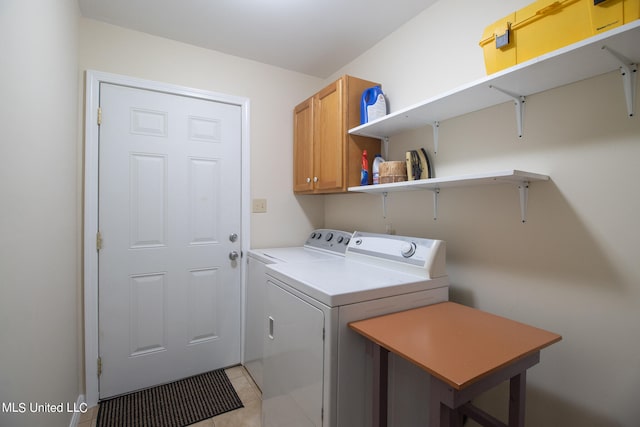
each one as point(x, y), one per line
point(249, 416)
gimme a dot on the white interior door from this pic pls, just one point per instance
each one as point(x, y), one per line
point(169, 204)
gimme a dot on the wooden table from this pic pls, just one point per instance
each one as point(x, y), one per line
point(466, 351)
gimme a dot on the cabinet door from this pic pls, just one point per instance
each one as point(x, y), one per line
point(303, 147)
point(293, 361)
point(329, 133)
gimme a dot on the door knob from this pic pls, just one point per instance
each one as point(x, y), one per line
point(233, 255)
point(233, 237)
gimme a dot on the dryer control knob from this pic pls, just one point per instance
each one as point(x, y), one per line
point(408, 249)
point(329, 237)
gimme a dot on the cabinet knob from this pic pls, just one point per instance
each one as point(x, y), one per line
point(308, 180)
point(315, 179)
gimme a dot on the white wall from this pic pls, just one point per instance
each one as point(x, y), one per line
point(39, 249)
point(273, 92)
point(573, 267)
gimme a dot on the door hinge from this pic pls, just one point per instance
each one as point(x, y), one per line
point(98, 241)
point(99, 365)
point(99, 116)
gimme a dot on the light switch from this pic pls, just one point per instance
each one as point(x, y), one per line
point(259, 206)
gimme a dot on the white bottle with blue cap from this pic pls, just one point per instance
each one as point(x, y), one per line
point(373, 106)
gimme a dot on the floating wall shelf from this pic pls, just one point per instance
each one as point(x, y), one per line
point(615, 49)
point(516, 177)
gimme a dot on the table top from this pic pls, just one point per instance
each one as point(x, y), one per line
point(455, 343)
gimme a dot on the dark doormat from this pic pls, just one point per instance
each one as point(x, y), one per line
point(177, 404)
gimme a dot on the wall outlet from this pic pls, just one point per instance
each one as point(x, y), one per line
point(259, 206)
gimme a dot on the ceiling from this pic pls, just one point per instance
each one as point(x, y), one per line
point(314, 37)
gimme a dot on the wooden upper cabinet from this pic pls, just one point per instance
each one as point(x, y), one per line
point(326, 158)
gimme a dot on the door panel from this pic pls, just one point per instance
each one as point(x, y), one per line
point(303, 174)
point(203, 200)
point(203, 292)
point(328, 140)
point(148, 324)
point(148, 190)
point(169, 296)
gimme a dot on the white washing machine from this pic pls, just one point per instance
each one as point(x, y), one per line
point(321, 244)
point(317, 372)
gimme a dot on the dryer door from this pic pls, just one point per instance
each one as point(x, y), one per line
point(293, 361)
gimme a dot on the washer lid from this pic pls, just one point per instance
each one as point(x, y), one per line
point(292, 254)
point(341, 281)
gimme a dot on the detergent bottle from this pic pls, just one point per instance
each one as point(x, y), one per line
point(364, 173)
point(373, 105)
point(376, 168)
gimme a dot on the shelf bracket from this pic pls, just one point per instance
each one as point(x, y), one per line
point(629, 73)
point(385, 147)
point(436, 192)
point(436, 126)
point(519, 101)
point(523, 187)
point(384, 205)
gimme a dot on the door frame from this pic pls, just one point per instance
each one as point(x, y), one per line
point(90, 227)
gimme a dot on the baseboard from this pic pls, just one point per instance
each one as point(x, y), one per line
point(80, 408)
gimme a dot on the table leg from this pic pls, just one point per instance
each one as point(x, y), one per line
point(380, 385)
point(441, 414)
point(438, 411)
point(455, 418)
point(517, 397)
point(450, 417)
point(435, 411)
